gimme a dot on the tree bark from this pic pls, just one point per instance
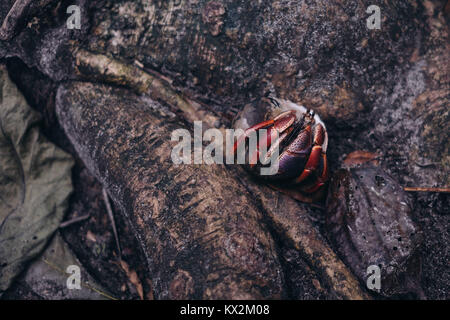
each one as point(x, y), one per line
point(202, 235)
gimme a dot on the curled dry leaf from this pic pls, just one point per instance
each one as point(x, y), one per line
point(35, 183)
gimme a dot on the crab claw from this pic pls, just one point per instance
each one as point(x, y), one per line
point(274, 127)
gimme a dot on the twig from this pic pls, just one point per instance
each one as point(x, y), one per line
point(104, 69)
point(74, 220)
point(113, 223)
point(425, 165)
point(11, 20)
point(418, 189)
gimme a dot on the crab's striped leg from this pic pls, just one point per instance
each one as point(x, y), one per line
point(275, 127)
point(315, 155)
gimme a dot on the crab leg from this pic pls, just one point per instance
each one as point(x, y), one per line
point(275, 145)
point(316, 154)
point(320, 181)
point(250, 130)
point(276, 126)
point(296, 154)
point(312, 164)
point(264, 144)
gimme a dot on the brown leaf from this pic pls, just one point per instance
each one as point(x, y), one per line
point(360, 157)
point(91, 236)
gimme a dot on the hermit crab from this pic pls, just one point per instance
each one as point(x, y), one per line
point(301, 139)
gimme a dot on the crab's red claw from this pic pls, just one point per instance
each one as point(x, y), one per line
point(274, 128)
point(249, 131)
point(284, 121)
point(319, 134)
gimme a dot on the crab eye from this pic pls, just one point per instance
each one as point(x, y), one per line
point(274, 102)
point(311, 113)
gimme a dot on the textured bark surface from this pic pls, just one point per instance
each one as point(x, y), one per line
point(289, 219)
point(202, 237)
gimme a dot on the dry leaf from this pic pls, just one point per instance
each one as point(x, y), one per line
point(360, 157)
point(35, 183)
